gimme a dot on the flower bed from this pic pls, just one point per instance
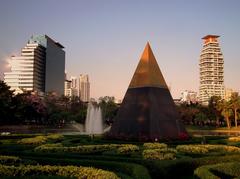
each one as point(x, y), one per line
point(234, 139)
point(47, 170)
point(127, 149)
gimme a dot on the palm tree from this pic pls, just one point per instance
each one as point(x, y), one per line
point(235, 105)
point(225, 109)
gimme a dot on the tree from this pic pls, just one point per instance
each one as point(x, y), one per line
point(5, 102)
point(235, 105)
point(225, 109)
point(109, 107)
point(212, 106)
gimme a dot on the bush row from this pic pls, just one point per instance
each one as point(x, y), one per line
point(126, 167)
point(234, 139)
point(40, 139)
point(159, 154)
point(202, 149)
point(218, 171)
point(67, 171)
point(9, 160)
point(154, 145)
point(88, 149)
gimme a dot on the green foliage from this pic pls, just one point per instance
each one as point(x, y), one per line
point(9, 160)
point(218, 171)
point(84, 149)
point(109, 107)
point(127, 149)
point(33, 141)
point(159, 154)
point(154, 145)
point(202, 149)
point(55, 137)
point(67, 171)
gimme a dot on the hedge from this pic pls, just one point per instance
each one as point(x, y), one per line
point(154, 145)
point(159, 154)
point(89, 149)
point(67, 171)
point(218, 171)
point(234, 139)
point(206, 148)
point(33, 140)
point(9, 160)
point(131, 169)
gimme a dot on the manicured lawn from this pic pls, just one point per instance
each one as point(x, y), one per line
point(176, 159)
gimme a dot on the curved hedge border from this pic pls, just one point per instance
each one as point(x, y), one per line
point(202, 149)
point(218, 171)
point(67, 171)
point(159, 154)
point(154, 145)
point(89, 149)
point(9, 160)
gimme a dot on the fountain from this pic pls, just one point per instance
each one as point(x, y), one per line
point(93, 124)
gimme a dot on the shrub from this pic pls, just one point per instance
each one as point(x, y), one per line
point(56, 137)
point(127, 149)
point(33, 141)
point(234, 139)
point(154, 145)
point(84, 149)
point(159, 154)
point(9, 160)
point(202, 149)
point(191, 149)
point(67, 171)
point(218, 171)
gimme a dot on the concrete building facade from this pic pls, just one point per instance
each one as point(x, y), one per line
point(211, 70)
point(39, 68)
point(84, 88)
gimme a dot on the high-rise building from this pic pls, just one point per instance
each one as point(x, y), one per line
point(211, 70)
point(68, 90)
point(188, 97)
point(84, 88)
point(40, 67)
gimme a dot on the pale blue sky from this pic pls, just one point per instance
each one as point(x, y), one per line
point(105, 38)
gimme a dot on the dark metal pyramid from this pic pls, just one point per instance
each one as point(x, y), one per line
point(147, 112)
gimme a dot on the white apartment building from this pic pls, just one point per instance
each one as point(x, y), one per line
point(84, 88)
point(28, 70)
point(188, 97)
point(211, 70)
point(40, 67)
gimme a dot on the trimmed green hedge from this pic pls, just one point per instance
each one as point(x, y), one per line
point(218, 171)
point(159, 154)
point(206, 148)
point(131, 169)
point(89, 149)
point(33, 140)
point(154, 145)
point(9, 160)
point(68, 171)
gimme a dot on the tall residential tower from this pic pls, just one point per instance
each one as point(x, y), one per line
point(39, 68)
point(211, 70)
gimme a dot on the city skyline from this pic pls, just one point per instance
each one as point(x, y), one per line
point(104, 39)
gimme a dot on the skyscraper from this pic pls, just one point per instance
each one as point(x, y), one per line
point(84, 88)
point(40, 67)
point(211, 70)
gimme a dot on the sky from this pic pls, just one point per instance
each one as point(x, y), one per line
point(105, 38)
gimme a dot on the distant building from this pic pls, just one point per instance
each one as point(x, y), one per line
point(188, 97)
point(84, 88)
point(68, 90)
point(211, 70)
point(39, 68)
point(228, 93)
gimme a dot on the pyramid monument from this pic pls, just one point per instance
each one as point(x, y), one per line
point(147, 112)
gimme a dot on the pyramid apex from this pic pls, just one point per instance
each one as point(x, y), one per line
point(148, 73)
